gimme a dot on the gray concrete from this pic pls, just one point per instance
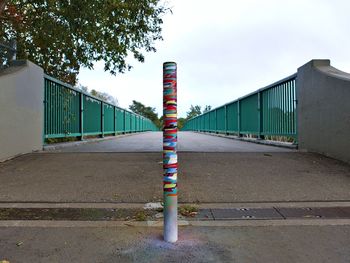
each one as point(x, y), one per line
point(324, 109)
point(196, 142)
point(21, 110)
point(187, 142)
point(287, 244)
point(203, 177)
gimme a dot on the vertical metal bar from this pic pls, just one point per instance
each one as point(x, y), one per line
point(225, 119)
point(61, 109)
point(216, 121)
point(296, 111)
point(49, 108)
point(170, 151)
point(56, 108)
point(58, 111)
point(283, 106)
point(270, 111)
point(278, 106)
point(290, 107)
point(130, 122)
point(124, 120)
point(259, 115)
point(279, 101)
point(293, 111)
point(45, 112)
point(81, 116)
point(274, 110)
point(115, 120)
point(239, 117)
point(60, 100)
point(209, 121)
point(69, 111)
point(53, 106)
point(102, 119)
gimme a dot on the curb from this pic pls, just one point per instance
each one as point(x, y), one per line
point(257, 141)
point(63, 145)
point(300, 204)
point(181, 223)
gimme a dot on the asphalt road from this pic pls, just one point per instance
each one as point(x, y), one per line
point(203, 177)
point(187, 142)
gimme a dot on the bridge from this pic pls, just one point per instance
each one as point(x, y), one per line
point(247, 195)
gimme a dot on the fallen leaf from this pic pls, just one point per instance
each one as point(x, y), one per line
point(193, 213)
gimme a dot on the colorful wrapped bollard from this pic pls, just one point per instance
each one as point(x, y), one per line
point(170, 151)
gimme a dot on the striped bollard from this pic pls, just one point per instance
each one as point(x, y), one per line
point(169, 151)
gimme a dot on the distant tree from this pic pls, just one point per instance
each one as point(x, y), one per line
point(104, 96)
point(145, 111)
point(207, 108)
point(63, 36)
point(193, 112)
point(82, 88)
point(180, 123)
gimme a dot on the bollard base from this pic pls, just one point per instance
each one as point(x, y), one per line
point(170, 219)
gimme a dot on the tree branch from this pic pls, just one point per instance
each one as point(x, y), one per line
point(2, 5)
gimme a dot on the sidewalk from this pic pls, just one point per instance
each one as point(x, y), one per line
point(287, 244)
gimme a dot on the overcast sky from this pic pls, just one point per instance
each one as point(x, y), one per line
point(227, 48)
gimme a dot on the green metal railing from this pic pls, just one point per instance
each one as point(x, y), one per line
point(69, 112)
point(270, 111)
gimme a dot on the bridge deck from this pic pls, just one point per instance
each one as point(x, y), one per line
point(187, 142)
point(241, 172)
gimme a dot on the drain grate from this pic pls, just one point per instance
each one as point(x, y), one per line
point(246, 213)
point(203, 214)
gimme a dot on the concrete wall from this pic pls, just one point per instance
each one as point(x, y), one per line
point(323, 95)
point(21, 109)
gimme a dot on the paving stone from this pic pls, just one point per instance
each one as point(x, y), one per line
point(315, 212)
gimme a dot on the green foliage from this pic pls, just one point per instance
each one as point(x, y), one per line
point(193, 112)
point(207, 108)
point(60, 140)
point(180, 123)
point(141, 216)
point(188, 210)
point(145, 111)
point(63, 36)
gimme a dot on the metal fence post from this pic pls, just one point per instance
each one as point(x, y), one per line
point(102, 119)
point(81, 116)
point(115, 120)
point(170, 151)
point(124, 121)
point(260, 119)
point(239, 117)
point(225, 120)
